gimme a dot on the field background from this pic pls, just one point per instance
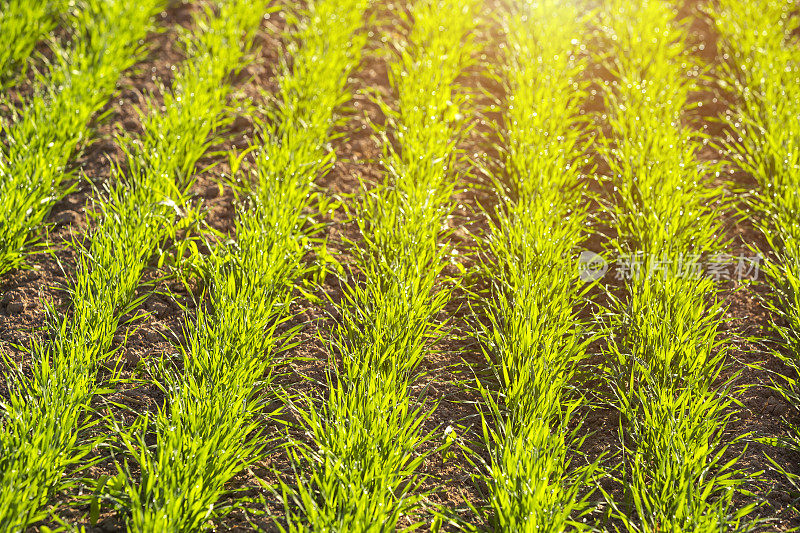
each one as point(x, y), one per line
point(170, 289)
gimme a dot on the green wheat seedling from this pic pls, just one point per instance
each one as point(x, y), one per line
point(757, 59)
point(367, 432)
point(252, 286)
point(234, 344)
point(130, 221)
point(41, 139)
point(763, 75)
point(22, 25)
point(665, 203)
point(533, 339)
point(134, 218)
point(143, 204)
point(664, 354)
point(209, 429)
point(664, 349)
point(44, 420)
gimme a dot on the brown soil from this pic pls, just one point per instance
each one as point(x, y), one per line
point(447, 374)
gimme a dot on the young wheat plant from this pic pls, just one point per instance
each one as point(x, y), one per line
point(139, 212)
point(22, 25)
point(215, 404)
point(46, 416)
point(52, 408)
point(359, 473)
point(664, 349)
point(534, 340)
point(763, 76)
point(41, 139)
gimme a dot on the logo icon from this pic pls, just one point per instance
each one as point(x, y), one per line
point(591, 266)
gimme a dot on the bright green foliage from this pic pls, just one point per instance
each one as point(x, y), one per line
point(665, 203)
point(764, 74)
point(23, 23)
point(665, 350)
point(138, 214)
point(44, 423)
point(757, 36)
point(45, 417)
point(534, 339)
point(367, 432)
point(205, 433)
point(132, 220)
point(214, 410)
point(41, 139)
point(664, 359)
point(300, 126)
point(142, 207)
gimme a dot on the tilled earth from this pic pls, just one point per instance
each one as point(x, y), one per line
point(450, 369)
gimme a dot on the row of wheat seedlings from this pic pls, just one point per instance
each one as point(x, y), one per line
point(22, 25)
point(358, 471)
point(212, 424)
point(763, 76)
point(664, 349)
point(533, 338)
point(45, 412)
point(41, 138)
point(48, 416)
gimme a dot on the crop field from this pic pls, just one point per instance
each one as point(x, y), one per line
point(366, 266)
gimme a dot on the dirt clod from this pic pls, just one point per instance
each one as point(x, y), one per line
point(66, 218)
point(15, 307)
